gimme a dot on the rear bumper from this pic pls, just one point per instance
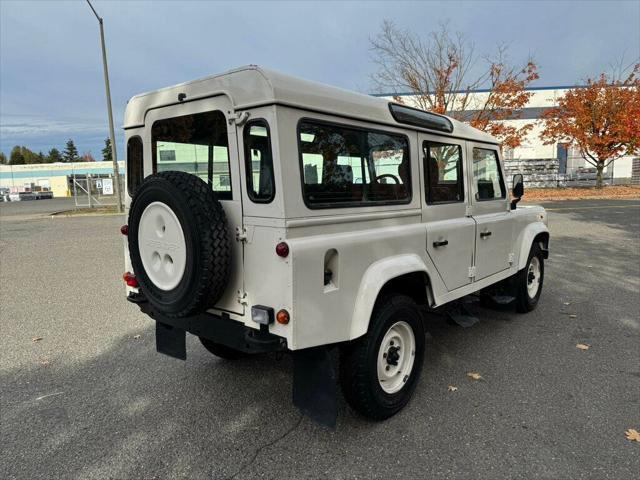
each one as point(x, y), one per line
point(314, 382)
point(170, 332)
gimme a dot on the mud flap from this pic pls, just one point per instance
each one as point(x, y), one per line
point(314, 385)
point(171, 341)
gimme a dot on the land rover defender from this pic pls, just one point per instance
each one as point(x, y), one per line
point(272, 214)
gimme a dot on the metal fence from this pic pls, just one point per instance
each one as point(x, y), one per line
point(92, 191)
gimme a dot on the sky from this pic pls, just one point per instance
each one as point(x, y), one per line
point(51, 80)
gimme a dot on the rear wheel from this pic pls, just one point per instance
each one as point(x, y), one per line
point(529, 281)
point(379, 372)
point(221, 351)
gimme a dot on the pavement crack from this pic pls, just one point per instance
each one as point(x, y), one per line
point(266, 445)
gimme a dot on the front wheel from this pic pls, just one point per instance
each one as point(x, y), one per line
point(379, 372)
point(529, 281)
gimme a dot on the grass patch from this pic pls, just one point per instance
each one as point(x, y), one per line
point(79, 212)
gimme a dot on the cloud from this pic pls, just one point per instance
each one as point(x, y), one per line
point(17, 127)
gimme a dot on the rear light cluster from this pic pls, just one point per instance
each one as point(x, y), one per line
point(282, 249)
point(264, 315)
point(124, 229)
point(130, 279)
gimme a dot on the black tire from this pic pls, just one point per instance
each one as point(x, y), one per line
point(207, 240)
point(358, 360)
point(524, 302)
point(222, 351)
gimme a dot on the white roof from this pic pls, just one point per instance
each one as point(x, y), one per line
point(251, 86)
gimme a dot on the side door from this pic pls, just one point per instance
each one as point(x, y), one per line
point(196, 137)
point(450, 232)
point(490, 209)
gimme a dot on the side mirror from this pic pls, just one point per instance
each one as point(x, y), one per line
point(518, 190)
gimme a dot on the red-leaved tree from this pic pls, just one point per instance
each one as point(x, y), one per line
point(440, 72)
point(601, 119)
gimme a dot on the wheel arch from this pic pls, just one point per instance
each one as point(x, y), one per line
point(533, 233)
point(406, 273)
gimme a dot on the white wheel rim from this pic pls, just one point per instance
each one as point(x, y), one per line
point(533, 277)
point(395, 357)
point(162, 246)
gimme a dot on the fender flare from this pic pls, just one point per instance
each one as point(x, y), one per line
point(526, 239)
point(376, 277)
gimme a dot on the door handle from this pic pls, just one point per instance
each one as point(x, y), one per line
point(441, 243)
point(485, 234)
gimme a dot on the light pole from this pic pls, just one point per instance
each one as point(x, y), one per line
point(112, 135)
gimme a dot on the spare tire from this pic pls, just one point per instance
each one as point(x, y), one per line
point(179, 243)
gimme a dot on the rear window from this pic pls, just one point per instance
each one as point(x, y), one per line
point(134, 164)
point(345, 166)
point(196, 144)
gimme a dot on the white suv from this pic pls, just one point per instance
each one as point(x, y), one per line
point(270, 213)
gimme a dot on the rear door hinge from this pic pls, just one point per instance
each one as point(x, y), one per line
point(239, 118)
point(472, 272)
point(242, 298)
point(241, 234)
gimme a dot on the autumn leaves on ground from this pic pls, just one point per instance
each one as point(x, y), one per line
point(582, 193)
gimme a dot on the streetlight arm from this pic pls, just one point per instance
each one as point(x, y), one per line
point(94, 12)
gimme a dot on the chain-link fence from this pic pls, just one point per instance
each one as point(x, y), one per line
point(92, 191)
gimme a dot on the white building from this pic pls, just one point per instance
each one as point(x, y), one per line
point(55, 177)
point(569, 162)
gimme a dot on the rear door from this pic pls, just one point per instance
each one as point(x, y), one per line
point(450, 232)
point(490, 210)
point(196, 137)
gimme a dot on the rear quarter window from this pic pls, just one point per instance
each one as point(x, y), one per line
point(134, 164)
point(261, 186)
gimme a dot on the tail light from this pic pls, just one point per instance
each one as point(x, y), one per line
point(130, 279)
point(124, 229)
point(282, 249)
point(282, 317)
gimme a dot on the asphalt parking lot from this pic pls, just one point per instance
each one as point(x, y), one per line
point(92, 398)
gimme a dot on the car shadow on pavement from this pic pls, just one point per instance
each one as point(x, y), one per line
point(129, 412)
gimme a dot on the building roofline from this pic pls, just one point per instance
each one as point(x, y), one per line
point(482, 90)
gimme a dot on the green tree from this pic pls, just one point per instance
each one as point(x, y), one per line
point(106, 151)
point(3, 159)
point(54, 156)
point(41, 158)
point(16, 157)
point(30, 157)
point(70, 153)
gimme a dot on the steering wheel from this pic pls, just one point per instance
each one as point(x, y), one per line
point(388, 175)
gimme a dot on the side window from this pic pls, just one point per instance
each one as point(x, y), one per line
point(134, 164)
point(259, 162)
point(346, 166)
point(487, 175)
point(443, 172)
point(196, 144)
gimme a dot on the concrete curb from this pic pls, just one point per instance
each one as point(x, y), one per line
point(74, 213)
